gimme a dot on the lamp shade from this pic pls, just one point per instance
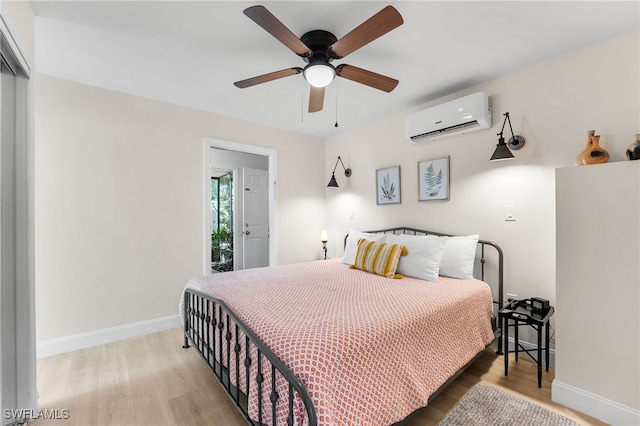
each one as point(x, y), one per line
point(319, 74)
point(333, 183)
point(502, 152)
point(323, 236)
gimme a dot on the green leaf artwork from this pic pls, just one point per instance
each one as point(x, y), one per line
point(388, 190)
point(433, 181)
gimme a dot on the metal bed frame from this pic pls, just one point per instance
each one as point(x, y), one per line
point(233, 340)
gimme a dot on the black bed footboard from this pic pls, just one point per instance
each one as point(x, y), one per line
point(261, 386)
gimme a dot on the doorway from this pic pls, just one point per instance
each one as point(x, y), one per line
point(240, 199)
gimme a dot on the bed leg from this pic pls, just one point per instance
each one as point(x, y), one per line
point(187, 299)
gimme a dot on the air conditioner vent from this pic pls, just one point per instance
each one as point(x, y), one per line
point(446, 130)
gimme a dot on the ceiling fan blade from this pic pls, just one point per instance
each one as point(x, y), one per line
point(369, 78)
point(267, 77)
point(261, 16)
point(316, 99)
point(378, 25)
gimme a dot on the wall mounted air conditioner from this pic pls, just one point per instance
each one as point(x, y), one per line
point(456, 117)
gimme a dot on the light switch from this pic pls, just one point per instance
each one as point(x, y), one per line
point(510, 213)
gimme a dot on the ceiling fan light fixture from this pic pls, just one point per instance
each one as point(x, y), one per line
point(319, 74)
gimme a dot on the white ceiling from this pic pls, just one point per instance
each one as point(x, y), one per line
point(190, 53)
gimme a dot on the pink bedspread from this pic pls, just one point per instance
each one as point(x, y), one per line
point(370, 350)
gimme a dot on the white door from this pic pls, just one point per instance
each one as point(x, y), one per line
point(255, 214)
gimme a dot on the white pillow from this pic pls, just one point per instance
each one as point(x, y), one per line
point(459, 256)
point(424, 255)
point(351, 247)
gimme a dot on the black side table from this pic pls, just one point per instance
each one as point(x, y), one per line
point(519, 312)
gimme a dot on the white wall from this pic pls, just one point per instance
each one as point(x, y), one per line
point(120, 206)
point(598, 289)
point(553, 105)
point(225, 159)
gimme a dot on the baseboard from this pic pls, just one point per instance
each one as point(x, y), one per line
point(107, 335)
point(593, 405)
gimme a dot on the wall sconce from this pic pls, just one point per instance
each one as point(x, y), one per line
point(503, 151)
point(347, 172)
point(323, 238)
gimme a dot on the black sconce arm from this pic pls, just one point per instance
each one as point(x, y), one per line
point(347, 171)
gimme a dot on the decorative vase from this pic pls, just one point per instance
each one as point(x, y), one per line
point(593, 153)
point(579, 158)
point(633, 150)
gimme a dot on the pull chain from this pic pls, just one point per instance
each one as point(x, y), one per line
point(302, 100)
point(336, 125)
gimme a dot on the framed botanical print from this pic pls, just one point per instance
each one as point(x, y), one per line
point(388, 185)
point(433, 179)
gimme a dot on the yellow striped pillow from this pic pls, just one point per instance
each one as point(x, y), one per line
point(379, 258)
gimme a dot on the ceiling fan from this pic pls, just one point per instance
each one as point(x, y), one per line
point(319, 47)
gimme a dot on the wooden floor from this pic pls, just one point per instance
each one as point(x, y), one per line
point(151, 380)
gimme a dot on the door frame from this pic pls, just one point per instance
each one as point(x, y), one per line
point(271, 154)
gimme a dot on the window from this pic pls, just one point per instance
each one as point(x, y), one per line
point(222, 221)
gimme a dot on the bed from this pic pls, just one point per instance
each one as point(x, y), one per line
point(326, 343)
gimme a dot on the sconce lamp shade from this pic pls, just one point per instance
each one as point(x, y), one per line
point(502, 152)
point(333, 183)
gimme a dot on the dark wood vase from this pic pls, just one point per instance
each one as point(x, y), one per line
point(593, 153)
point(633, 150)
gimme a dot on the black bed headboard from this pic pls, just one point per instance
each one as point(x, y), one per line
point(481, 258)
